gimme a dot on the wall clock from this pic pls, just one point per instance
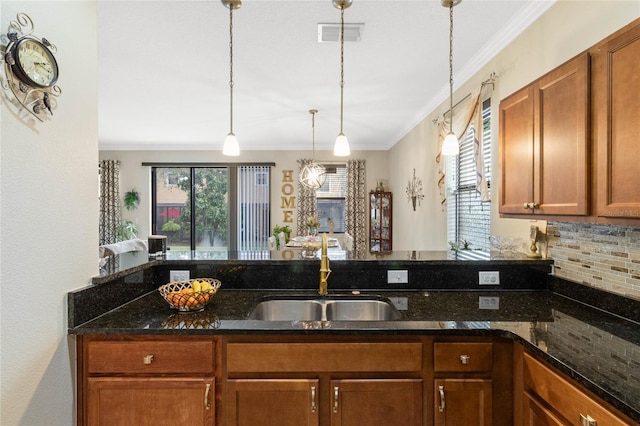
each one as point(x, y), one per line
point(31, 69)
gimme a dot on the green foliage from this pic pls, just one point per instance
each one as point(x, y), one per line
point(278, 229)
point(127, 231)
point(171, 226)
point(210, 202)
point(131, 200)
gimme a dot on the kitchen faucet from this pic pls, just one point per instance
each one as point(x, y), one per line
point(324, 266)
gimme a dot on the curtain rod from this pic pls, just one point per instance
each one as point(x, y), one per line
point(190, 164)
point(491, 80)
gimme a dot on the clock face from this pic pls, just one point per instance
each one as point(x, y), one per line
point(35, 64)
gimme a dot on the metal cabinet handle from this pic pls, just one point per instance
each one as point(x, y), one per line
point(464, 359)
point(207, 404)
point(313, 399)
point(148, 359)
point(441, 406)
point(335, 398)
point(526, 206)
point(587, 420)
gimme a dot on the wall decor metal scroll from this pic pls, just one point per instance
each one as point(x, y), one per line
point(30, 68)
point(414, 190)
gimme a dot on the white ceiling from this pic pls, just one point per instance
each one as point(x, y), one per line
point(164, 69)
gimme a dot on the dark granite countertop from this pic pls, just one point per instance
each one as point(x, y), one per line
point(598, 349)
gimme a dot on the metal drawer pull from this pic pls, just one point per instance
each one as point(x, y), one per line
point(313, 399)
point(207, 405)
point(464, 359)
point(335, 399)
point(587, 420)
point(441, 406)
point(147, 359)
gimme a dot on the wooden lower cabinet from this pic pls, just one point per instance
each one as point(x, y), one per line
point(534, 414)
point(328, 381)
point(463, 402)
point(281, 402)
point(548, 397)
point(146, 380)
point(380, 402)
point(114, 401)
point(299, 402)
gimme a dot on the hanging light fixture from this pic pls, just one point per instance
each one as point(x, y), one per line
point(313, 175)
point(231, 146)
point(450, 146)
point(341, 148)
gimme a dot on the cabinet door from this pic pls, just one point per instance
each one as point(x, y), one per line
point(537, 415)
point(516, 152)
point(277, 402)
point(561, 141)
point(616, 84)
point(465, 402)
point(376, 402)
point(114, 401)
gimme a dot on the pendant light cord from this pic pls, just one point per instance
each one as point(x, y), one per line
point(231, 68)
point(341, 65)
point(313, 136)
point(451, 67)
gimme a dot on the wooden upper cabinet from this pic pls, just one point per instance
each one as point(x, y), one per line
point(516, 151)
point(616, 114)
point(544, 144)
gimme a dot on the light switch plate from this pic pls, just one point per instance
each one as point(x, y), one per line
point(489, 302)
point(489, 277)
point(178, 275)
point(397, 277)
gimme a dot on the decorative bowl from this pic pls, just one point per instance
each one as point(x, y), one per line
point(190, 295)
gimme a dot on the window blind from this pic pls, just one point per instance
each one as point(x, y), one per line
point(468, 218)
point(253, 207)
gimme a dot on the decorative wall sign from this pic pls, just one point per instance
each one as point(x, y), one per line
point(30, 68)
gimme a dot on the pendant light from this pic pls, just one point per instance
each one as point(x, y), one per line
point(341, 148)
point(231, 146)
point(313, 175)
point(450, 146)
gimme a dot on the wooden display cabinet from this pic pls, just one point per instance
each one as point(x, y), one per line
point(380, 222)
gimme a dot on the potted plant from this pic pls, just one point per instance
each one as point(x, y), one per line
point(127, 231)
point(278, 229)
point(131, 199)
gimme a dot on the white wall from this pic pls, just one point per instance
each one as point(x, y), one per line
point(134, 176)
point(566, 29)
point(48, 220)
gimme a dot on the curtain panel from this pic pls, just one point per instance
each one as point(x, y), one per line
point(467, 114)
point(356, 205)
point(306, 201)
point(110, 216)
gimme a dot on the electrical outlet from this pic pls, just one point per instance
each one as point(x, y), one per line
point(491, 302)
point(397, 277)
point(401, 303)
point(489, 277)
point(178, 275)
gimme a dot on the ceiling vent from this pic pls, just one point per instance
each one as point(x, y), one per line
point(331, 32)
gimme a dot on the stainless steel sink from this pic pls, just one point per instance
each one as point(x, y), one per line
point(328, 308)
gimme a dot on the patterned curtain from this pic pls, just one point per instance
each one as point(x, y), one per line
point(110, 209)
point(356, 220)
point(306, 201)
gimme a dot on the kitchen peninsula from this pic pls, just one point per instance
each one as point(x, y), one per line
point(525, 323)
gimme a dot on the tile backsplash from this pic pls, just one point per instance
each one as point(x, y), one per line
point(601, 256)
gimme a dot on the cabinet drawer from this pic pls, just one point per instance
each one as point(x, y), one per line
point(323, 357)
point(188, 357)
point(464, 357)
point(566, 399)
